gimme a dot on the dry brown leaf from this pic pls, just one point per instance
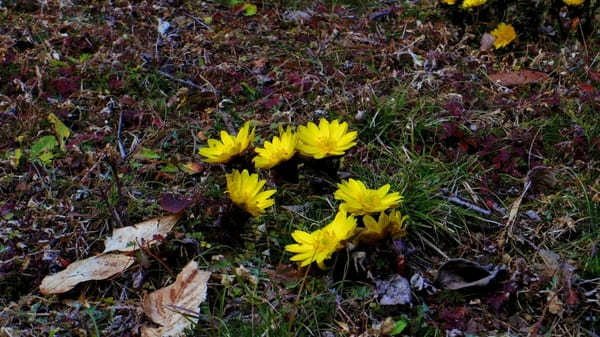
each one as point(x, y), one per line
point(518, 77)
point(127, 239)
point(188, 291)
point(94, 268)
point(487, 41)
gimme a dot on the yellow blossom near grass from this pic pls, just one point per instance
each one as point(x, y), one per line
point(573, 2)
point(472, 3)
point(245, 190)
point(328, 139)
point(228, 147)
point(504, 35)
point(393, 225)
point(448, 2)
point(358, 199)
point(319, 245)
point(278, 150)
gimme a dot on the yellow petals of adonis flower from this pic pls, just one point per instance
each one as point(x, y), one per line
point(393, 225)
point(328, 139)
point(448, 2)
point(278, 150)
point(228, 147)
point(319, 245)
point(472, 3)
point(504, 35)
point(573, 2)
point(245, 191)
point(358, 199)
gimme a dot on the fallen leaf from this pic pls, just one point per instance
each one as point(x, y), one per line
point(393, 291)
point(462, 273)
point(487, 41)
point(173, 204)
point(188, 291)
point(62, 131)
point(94, 268)
point(191, 167)
point(518, 77)
point(127, 239)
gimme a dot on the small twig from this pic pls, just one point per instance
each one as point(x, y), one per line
point(430, 244)
point(182, 81)
point(119, 133)
point(149, 252)
point(453, 198)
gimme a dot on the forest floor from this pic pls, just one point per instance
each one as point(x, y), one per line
point(504, 176)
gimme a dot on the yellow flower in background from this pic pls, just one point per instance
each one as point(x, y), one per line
point(374, 230)
point(278, 150)
point(472, 3)
point(228, 147)
point(448, 2)
point(358, 199)
point(328, 139)
point(397, 226)
point(504, 35)
point(319, 245)
point(245, 191)
point(573, 2)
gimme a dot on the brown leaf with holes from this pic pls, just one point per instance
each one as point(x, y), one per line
point(167, 306)
point(128, 239)
point(94, 268)
point(518, 77)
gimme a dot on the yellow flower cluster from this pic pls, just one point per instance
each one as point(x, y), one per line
point(357, 199)
point(573, 2)
point(318, 142)
point(245, 189)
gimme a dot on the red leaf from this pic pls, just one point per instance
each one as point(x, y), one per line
point(518, 77)
point(173, 204)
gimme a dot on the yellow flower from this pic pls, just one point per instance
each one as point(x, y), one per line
point(328, 139)
point(472, 3)
point(504, 35)
point(573, 2)
point(343, 225)
point(374, 230)
point(278, 150)
point(358, 199)
point(228, 147)
point(397, 226)
point(245, 191)
point(393, 225)
point(319, 245)
point(449, 2)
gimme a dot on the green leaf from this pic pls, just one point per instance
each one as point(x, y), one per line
point(169, 168)
point(62, 131)
point(42, 149)
point(399, 326)
point(148, 154)
point(249, 9)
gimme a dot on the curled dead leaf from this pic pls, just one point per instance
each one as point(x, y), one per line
point(462, 273)
point(94, 268)
point(186, 294)
point(487, 42)
point(127, 239)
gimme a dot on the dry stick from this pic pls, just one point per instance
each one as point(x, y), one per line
point(453, 198)
point(146, 249)
point(182, 81)
point(293, 315)
point(119, 133)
